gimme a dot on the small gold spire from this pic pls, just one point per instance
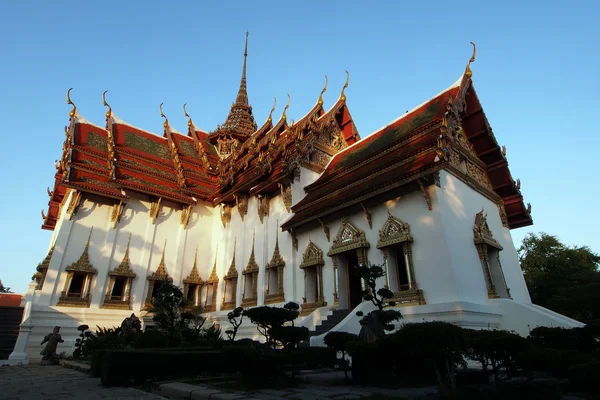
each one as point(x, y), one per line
point(190, 122)
point(72, 112)
point(343, 95)
point(109, 112)
point(166, 124)
point(323, 91)
point(284, 116)
point(468, 72)
point(272, 109)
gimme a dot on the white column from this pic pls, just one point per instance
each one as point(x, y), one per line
point(19, 353)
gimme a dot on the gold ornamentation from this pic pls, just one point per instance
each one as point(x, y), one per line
point(468, 72)
point(155, 207)
point(241, 200)
point(294, 239)
point(186, 212)
point(528, 208)
point(425, 194)
point(518, 184)
point(286, 196)
point(49, 192)
point(312, 256)
point(284, 115)
point(482, 233)
point(74, 204)
point(161, 272)
point(325, 228)
point(263, 205)
point(194, 277)
point(83, 263)
point(394, 231)
point(232, 271)
point(252, 266)
point(348, 238)
point(343, 95)
point(43, 215)
point(483, 239)
point(323, 91)
point(270, 118)
point(124, 269)
point(212, 283)
point(367, 215)
point(166, 123)
point(225, 214)
point(117, 212)
point(504, 151)
point(502, 212)
point(74, 110)
point(190, 122)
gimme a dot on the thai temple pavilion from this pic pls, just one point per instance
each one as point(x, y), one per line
point(256, 213)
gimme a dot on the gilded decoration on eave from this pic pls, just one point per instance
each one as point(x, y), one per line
point(83, 263)
point(124, 269)
point(74, 204)
point(367, 215)
point(286, 196)
point(325, 228)
point(393, 231)
point(110, 141)
point(116, 213)
point(155, 207)
point(241, 200)
point(225, 214)
point(263, 206)
point(348, 238)
point(161, 272)
point(425, 194)
point(186, 212)
point(312, 256)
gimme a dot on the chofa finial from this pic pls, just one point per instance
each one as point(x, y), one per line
point(468, 71)
point(190, 122)
point(343, 95)
point(272, 109)
point(323, 91)
point(109, 112)
point(166, 124)
point(72, 112)
point(284, 116)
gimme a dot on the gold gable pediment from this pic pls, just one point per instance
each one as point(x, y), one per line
point(348, 238)
point(83, 263)
point(482, 233)
point(312, 256)
point(394, 231)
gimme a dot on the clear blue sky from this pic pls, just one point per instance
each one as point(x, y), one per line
point(537, 76)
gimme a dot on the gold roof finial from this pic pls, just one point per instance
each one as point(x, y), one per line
point(190, 122)
point(109, 112)
point(272, 109)
point(166, 124)
point(323, 91)
point(343, 95)
point(72, 112)
point(468, 71)
point(284, 116)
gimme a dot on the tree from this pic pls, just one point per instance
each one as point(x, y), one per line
point(562, 278)
point(235, 318)
point(4, 289)
point(375, 323)
point(339, 342)
point(268, 320)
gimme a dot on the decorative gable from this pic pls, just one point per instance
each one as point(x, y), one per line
point(482, 233)
point(348, 238)
point(312, 256)
point(83, 263)
point(394, 231)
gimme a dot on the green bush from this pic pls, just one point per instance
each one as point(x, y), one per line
point(555, 338)
point(120, 367)
point(552, 361)
point(585, 377)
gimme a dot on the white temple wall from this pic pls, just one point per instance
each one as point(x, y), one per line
point(459, 206)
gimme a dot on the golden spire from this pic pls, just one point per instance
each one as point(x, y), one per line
point(166, 123)
point(190, 122)
point(161, 270)
point(284, 115)
point(74, 110)
point(213, 275)
point(323, 91)
point(252, 265)
point(468, 72)
point(272, 109)
point(124, 269)
point(109, 112)
point(343, 95)
point(232, 269)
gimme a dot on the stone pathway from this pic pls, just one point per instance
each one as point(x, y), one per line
point(32, 382)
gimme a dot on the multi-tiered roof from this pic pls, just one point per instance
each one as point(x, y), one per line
point(118, 159)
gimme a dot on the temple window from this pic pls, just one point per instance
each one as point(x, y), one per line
point(396, 243)
point(488, 250)
point(118, 293)
point(76, 292)
point(230, 282)
point(192, 285)
point(156, 280)
point(274, 270)
point(42, 269)
point(349, 249)
point(312, 265)
point(250, 294)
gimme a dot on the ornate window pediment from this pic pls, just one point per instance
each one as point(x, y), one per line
point(348, 238)
point(312, 256)
point(394, 231)
point(482, 233)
